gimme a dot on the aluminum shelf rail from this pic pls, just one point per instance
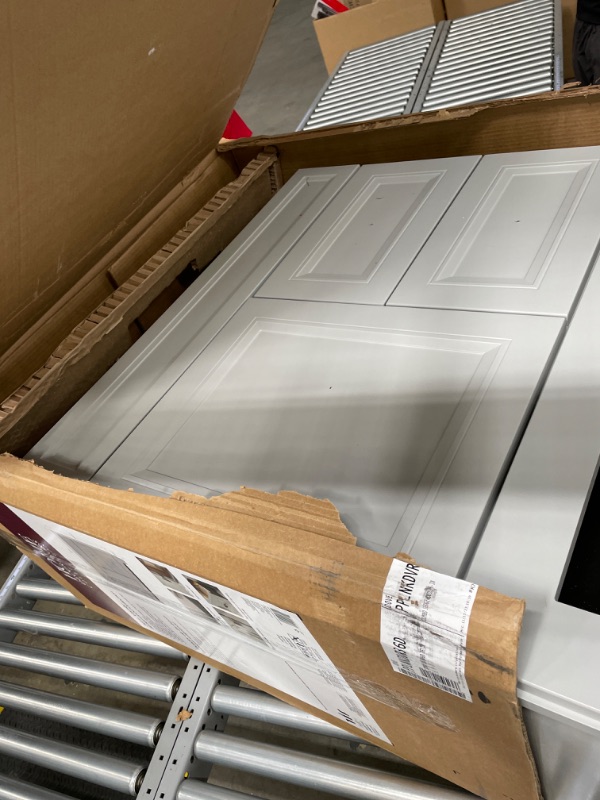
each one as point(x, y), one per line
point(380, 80)
point(511, 51)
point(185, 748)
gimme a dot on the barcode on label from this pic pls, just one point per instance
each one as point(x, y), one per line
point(441, 682)
point(283, 617)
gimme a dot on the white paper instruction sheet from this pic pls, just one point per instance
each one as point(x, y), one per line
point(250, 635)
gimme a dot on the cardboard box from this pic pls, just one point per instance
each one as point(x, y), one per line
point(273, 589)
point(464, 8)
point(104, 111)
point(373, 22)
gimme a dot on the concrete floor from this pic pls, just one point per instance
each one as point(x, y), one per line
point(288, 73)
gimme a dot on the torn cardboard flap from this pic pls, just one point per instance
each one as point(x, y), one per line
point(422, 664)
point(288, 508)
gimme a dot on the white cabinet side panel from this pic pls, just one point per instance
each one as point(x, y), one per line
point(404, 418)
point(99, 422)
point(519, 238)
point(527, 543)
point(366, 239)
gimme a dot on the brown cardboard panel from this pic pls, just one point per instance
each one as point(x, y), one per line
point(281, 557)
point(464, 8)
point(555, 119)
point(372, 23)
point(143, 240)
point(105, 108)
point(104, 335)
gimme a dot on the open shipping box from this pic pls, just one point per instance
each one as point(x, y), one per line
point(114, 192)
point(370, 21)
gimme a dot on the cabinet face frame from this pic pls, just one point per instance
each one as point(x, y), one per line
point(85, 437)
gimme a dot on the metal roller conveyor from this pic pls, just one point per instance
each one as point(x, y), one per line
point(140, 682)
point(524, 20)
point(490, 50)
point(88, 631)
point(331, 117)
point(474, 75)
point(393, 111)
point(39, 589)
point(376, 81)
point(385, 107)
point(479, 45)
point(198, 790)
point(491, 60)
point(12, 789)
point(535, 76)
point(381, 66)
point(315, 772)
point(101, 770)
point(368, 99)
point(373, 82)
point(261, 707)
point(405, 43)
point(365, 92)
point(397, 54)
point(494, 15)
point(535, 88)
point(118, 723)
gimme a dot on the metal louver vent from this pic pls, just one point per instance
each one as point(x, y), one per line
point(380, 80)
point(507, 52)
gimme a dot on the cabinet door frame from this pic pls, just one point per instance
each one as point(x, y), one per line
point(557, 269)
point(300, 275)
point(87, 435)
point(527, 542)
point(440, 516)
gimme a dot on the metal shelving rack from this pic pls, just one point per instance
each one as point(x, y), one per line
point(190, 739)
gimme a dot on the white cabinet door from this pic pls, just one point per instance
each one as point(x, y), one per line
point(99, 422)
point(365, 240)
point(520, 237)
point(404, 418)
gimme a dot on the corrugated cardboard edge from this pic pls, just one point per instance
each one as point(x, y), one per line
point(569, 118)
point(96, 342)
point(130, 252)
point(336, 589)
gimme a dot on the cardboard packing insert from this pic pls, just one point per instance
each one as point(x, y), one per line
point(273, 590)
